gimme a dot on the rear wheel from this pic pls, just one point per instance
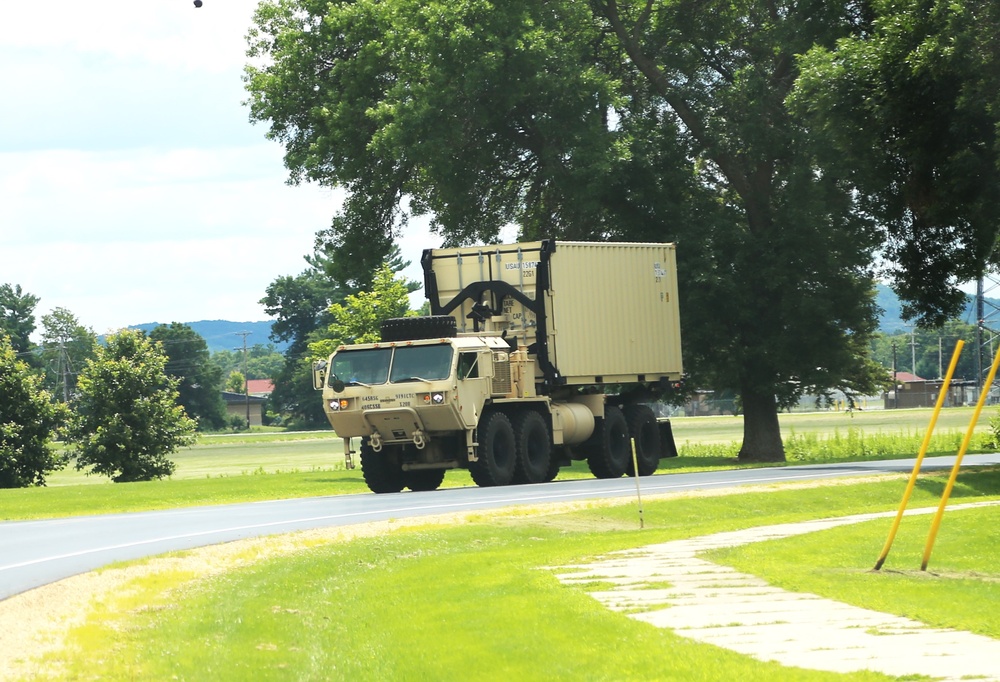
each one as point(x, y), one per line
point(423, 479)
point(646, 432)
point(608, 450)
point(381, 470)
point(497, 451)
point(534, 448)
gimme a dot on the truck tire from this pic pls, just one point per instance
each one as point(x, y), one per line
point(423, 479)
point(411, 328)
point(381, 470)
point(534, 448)
point(645, 431)
point(608, 450)
point(497, 451)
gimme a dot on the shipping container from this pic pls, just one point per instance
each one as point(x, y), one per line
point(591, 313)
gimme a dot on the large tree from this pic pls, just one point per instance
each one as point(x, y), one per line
point(910, 105)
point(199, 379)
point(127, 419)
point(28, 422)
point(646, 121)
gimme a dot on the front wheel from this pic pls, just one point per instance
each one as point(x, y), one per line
point(381, 470)
point(497, 451)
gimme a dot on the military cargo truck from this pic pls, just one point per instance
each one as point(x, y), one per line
point(535, 355)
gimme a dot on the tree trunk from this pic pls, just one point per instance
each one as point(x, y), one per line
point(761, 433)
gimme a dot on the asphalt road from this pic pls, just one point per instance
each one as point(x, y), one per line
point(35, 553)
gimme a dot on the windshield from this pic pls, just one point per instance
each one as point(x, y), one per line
point(421, 362)
point(369, 366)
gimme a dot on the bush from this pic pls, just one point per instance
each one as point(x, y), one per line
point(127, 417)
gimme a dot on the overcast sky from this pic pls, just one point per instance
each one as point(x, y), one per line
point(132, 186)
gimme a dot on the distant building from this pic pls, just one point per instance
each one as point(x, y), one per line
point(236, 406)
point(260, 387)
point(913, 391)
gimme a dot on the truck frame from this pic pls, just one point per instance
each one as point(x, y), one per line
point(534, 355)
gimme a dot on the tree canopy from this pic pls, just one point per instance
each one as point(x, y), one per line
point(28, 421)
point(359, 318)
point(909, 104)
point(17, 316)
point(607, 120)
point(66, 346)
point(199, 379)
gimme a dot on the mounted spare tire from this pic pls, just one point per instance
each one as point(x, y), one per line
point(413, 328)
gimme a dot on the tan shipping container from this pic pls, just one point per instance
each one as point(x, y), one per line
point(607, 313)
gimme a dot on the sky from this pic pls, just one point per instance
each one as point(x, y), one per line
point(132, 186)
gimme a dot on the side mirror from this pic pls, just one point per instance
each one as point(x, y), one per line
point(319, 374)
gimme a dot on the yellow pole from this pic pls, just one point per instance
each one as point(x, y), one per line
point(936, 523)
point(638, 494)
point(920, 457)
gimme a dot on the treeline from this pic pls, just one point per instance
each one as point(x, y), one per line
point(122, 406)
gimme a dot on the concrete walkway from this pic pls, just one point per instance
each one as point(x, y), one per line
point(718, 605)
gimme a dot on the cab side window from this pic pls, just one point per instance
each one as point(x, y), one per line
point(468, 368)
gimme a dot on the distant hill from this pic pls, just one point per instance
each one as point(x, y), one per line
point(224, 334)
point(891, 319)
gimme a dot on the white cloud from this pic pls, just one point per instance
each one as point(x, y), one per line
point(160, 32)
point(61, 195)
point(132, 186)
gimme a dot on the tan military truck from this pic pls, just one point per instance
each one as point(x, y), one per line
point(535, 354)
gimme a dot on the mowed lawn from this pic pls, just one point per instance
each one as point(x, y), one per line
point(239, 454)
point(226, 468)
point(479, 600)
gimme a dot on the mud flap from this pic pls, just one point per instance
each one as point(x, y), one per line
point(667, 446)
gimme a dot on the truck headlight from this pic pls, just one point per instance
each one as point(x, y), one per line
point(338, 405)
point(434, 398)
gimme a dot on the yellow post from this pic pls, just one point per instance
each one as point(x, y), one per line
point(936, 523)
point(920, 457)
point(638, 494)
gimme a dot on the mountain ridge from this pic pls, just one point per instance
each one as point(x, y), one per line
point(226, 334)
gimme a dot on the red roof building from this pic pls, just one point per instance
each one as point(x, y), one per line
point(260, 387)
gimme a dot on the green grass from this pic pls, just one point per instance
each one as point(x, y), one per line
point(478, 601)
point(962, 576)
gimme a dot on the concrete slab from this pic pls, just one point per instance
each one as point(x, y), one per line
point(721, 606)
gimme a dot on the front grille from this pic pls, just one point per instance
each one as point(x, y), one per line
point(501, 377)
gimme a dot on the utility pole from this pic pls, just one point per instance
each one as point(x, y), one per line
point(246, 381)
point(895, 386)
point(940, 375)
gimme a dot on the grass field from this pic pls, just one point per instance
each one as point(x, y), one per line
point(258, 466)
point(481, 598)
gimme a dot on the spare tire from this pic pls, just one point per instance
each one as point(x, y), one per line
point(413, 328)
